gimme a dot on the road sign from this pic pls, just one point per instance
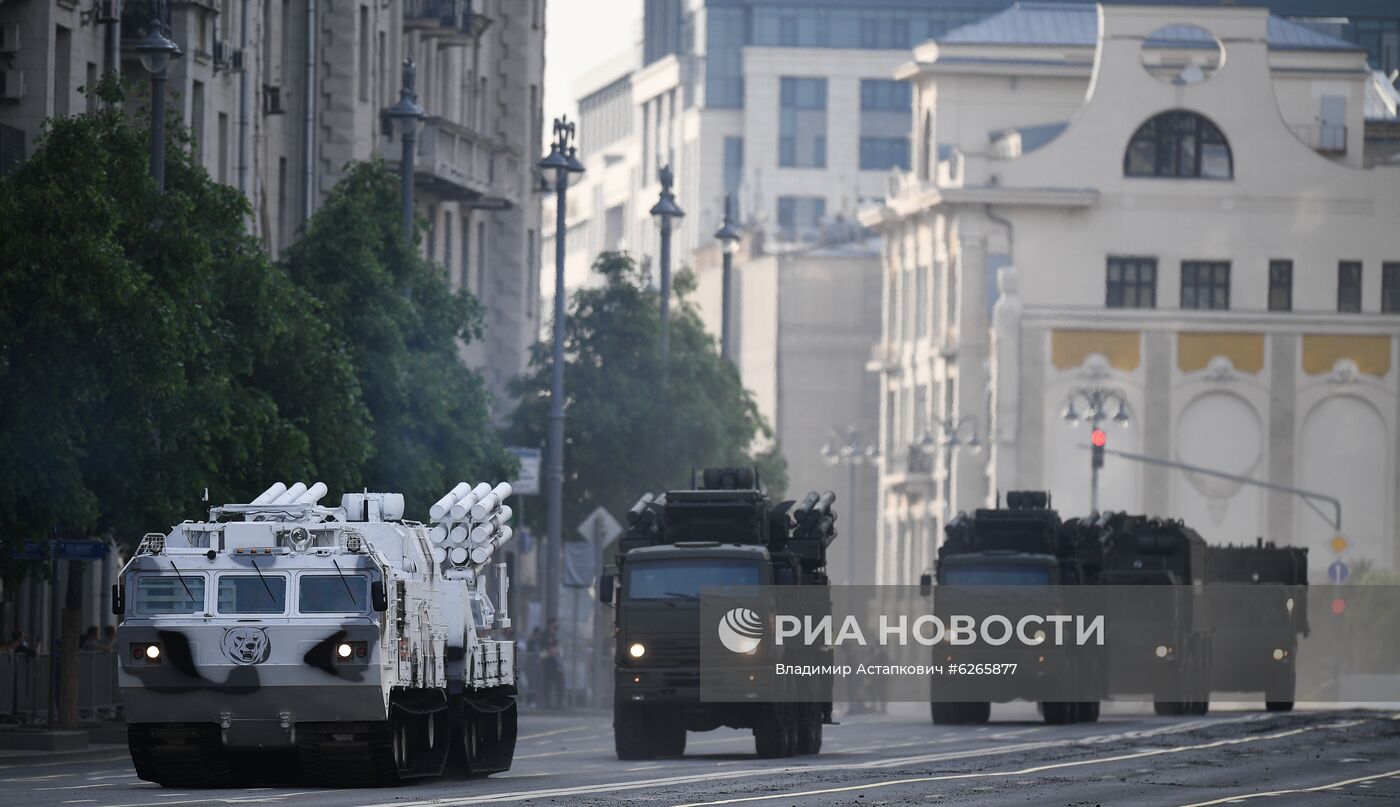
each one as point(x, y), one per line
point(67, 549)
point(600, 527)
point(529, 482)
point(580, 564)
point(1339, 544)
point(1338, 572)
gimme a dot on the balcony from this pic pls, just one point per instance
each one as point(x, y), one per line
point(457, 163)
point(451, 18)
point(1324, 138)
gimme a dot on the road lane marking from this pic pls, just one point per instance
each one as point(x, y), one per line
point(38, 778)
point(553, 733)
point(1292, 791)
point(78, 787)
point(1025, 771)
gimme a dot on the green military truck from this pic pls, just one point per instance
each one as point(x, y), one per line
point(724, 531)
point(1256, 632)
point(1023, 545)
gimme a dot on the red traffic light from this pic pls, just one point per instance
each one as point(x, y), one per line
point(1098, 438)
point(1338, 606)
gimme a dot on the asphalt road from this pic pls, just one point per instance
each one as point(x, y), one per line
point(1129, 757)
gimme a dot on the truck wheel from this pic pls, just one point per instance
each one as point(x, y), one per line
point(668, 737)
point(772, 733)
point(944, 713)
point(496, 731)
point(809, 728)
point(1278, 706)
point(178, 754)
point(1087, 712)
point(1059, 713)
point(631, 735)
point(1169, 708)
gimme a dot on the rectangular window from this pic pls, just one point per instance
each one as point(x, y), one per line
point(447, 230)
point(252, 594)
point(382, 54)
point(222, 146)
point(798, 215)
point(1390, 288)
point(165, 594)
point(91, 85)
point(1280, 285)
point(197, 118)
point(802, 123)
point(364, 53)
point(332, 593)
point(464, 271)
point(283, 229)
point(1132, 282)
point(1349, 287)
point(733, 168)
point(532, 271)
point(63, 59)
point(1205, 285)
point(481, 261)
point(884, 124)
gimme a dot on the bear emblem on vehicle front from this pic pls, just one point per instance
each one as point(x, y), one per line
point(245, 646)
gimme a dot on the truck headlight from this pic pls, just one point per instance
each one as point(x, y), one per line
point(148, 652)
point(1280, 654)
point(345, 650)
point(637, 650)
point(352, 652)
point(1163, 651)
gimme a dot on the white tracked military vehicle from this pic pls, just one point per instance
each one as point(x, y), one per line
point(345, 643)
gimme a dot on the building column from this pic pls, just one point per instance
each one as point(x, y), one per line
point(1156, 421)
point(970, 265)
point(1003, 433)
point(1283, 380)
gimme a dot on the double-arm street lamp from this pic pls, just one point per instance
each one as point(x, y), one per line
point(728, 236)
point(953, 435)
point(1095, 403)
point(847, 450)
point(408, 117)
point(664, 211)
point(563, 162)
point(157, 49)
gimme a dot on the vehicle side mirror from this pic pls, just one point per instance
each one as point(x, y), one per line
point(118, 599)
point(925, 584)
point(605, 589)
point(378, 597)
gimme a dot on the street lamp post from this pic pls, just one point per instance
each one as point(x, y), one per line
point(951, 439)
point(1095, 402)
point(664, 211)
point(562, 161)
point(848, 451)
point(409, 117)
point(728, 236)
point(157, 49)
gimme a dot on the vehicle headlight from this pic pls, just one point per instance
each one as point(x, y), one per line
point(1279, 653)
point(345, 650)
point(1040, 636)
point(1163, 651)
point(637, 650)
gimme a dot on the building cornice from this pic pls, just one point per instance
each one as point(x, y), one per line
point(1176, 319)
point(916, 202)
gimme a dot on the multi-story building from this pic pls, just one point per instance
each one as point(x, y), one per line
point(280, 95)
point(1178, 204)
point(803, 318)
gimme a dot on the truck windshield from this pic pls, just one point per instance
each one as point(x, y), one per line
point(682, 579)
point(331, 594)
point(249, 594)
point(997, 575)
point(163, 594)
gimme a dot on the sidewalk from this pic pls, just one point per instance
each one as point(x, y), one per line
point(22, 746)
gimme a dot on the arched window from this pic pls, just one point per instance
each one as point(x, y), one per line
point(1179, 144)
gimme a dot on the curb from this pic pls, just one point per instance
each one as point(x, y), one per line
point(30, 758)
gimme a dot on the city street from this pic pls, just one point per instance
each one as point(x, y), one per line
point(1131, 756)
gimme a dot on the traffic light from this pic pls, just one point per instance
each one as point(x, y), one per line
point(1099, 440)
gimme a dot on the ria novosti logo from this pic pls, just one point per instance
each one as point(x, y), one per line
point(740, 631)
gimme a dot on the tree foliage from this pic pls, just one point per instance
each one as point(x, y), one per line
point(403, 327)
point(626, 431)
point(150, 349)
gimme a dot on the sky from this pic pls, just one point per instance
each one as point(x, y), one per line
point(580, 35)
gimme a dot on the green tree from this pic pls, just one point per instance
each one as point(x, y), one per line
point(626, 432)
point(148, 348)
point(404, 329)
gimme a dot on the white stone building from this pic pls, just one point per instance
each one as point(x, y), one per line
point(281, 94)
point(1195, 220)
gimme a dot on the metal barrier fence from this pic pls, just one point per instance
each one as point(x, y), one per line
point(25, 682)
